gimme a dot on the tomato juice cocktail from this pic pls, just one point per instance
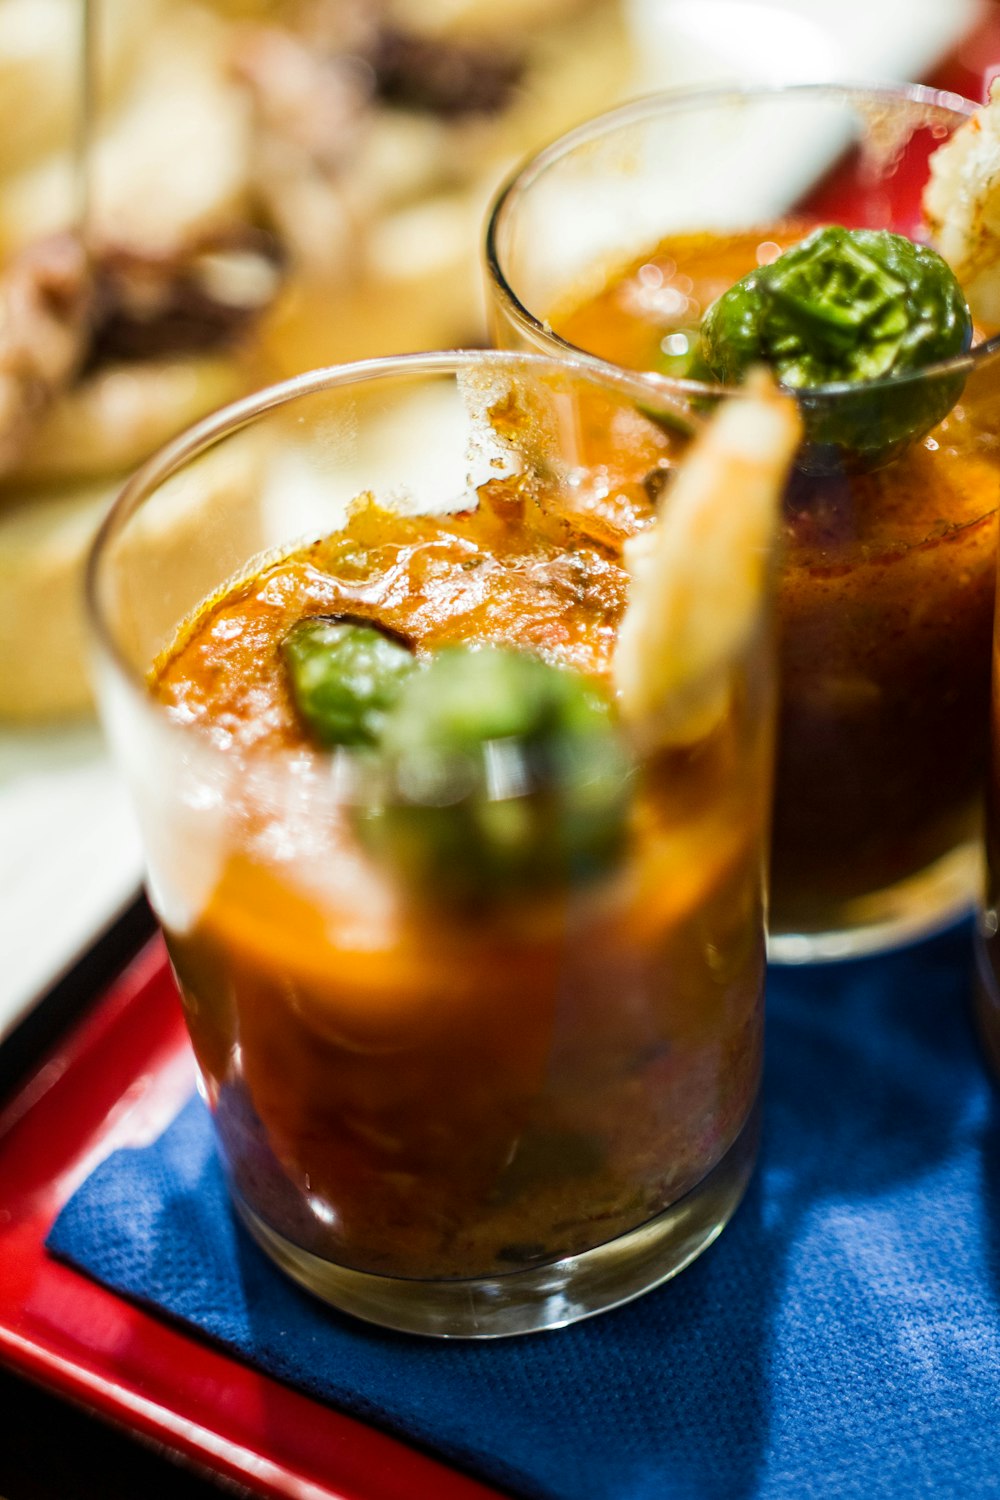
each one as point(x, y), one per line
point(701, 265)
point(472, 964)
point(885, 609)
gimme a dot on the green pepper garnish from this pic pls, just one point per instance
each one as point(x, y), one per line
point(502, 775)
point(848, 307)
point(344, 675)
point(680, 356)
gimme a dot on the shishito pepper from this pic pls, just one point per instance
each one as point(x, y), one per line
point(501, 774)
point(849, 309)
point(344, 676)
point(489, 773)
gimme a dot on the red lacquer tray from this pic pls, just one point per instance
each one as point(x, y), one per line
point(116, 1080)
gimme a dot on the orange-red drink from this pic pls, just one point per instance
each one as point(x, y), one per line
point(885, 610)
point(481, 1031)
point(886, 579)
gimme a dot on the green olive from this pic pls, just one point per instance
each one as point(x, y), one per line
point(847, 307)
point(344, 676)
point(501, 775)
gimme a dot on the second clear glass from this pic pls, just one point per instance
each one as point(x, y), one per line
point(472, 1120)
point(887, 583)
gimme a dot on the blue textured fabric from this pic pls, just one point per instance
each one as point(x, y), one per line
point(841, 1339)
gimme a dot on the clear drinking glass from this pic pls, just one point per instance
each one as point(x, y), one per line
point(464, 1120)
point(886, 586)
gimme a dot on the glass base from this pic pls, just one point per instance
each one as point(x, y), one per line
point(904, 913)
point(544, 1296)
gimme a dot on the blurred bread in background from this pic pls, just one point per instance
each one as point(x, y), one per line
point(272, 184)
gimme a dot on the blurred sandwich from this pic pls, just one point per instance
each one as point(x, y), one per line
point(273, 184)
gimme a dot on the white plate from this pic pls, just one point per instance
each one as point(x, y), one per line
point(686, 42)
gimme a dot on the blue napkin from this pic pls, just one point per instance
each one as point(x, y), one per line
point(841, 1339)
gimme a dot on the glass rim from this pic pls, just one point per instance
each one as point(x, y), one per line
point(197, 439)
point(668, 101)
